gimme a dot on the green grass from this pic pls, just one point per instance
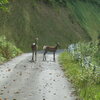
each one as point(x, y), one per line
point(86, 83)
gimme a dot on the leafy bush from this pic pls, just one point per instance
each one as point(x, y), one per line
point(90, 49)
point(7, 50)
point(3, 4)
point(85, 81)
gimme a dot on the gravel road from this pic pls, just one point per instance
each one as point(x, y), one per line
point(21, 79)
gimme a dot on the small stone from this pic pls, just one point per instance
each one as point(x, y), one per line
point(39, 89)
point(5, 98)
point(49, 91)
point(54, 80)
point(8, 92)
point(54, 93)
point(50, 83)
point(50, 73)
point(1, 93)
point(5, 87)
point(65, 96)
point(20, 73)
point(17, 92)
point(9, 69)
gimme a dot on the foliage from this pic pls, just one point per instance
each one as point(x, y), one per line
point(85, 81)
point(7, 50)
point(3, 4)
point(90, 49)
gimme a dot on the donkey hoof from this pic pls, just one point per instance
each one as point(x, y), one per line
point(32, 60)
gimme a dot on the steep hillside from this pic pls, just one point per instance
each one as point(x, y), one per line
point(87, 13)
point(28, 19)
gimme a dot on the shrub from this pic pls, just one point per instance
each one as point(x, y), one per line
point(7, 50)
point(86, 82)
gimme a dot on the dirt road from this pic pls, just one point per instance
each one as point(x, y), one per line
point(21, 79)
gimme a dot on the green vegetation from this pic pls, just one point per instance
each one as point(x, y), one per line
point(3, 4)
point(55, 2)
point(86, 78)
point(64, 21)
point(90, 49)
point(29, 19)
point(7, 50)
point(86, 82)
point(87, 13)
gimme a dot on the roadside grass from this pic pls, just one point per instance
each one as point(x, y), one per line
point(7, 50)
point(86, 83)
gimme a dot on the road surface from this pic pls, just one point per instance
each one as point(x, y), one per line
point(21, 79)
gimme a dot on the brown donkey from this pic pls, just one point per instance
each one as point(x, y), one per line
point(34, 47)
point(50, 49)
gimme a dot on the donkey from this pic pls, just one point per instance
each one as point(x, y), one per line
point(50, 49)
point(34, 47)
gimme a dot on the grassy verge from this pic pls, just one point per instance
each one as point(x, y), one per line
point(86, 83)
point(7, 50)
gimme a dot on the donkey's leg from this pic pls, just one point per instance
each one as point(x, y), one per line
point(35, 55)
point(44, 55)
point(32, 55)
point(53, 56)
